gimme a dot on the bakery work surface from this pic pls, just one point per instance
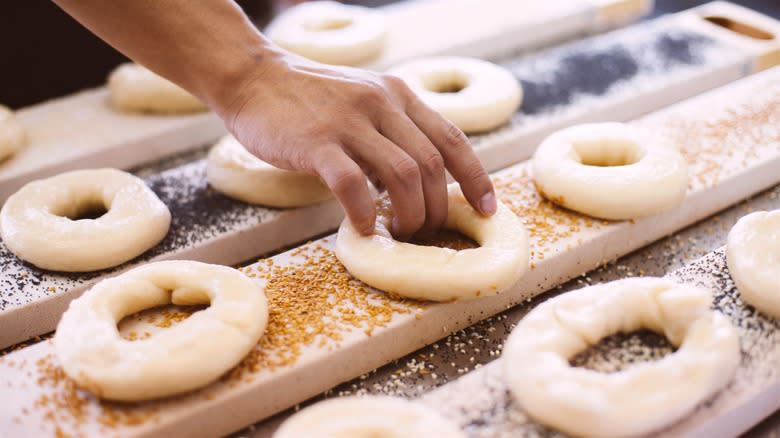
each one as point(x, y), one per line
point(311, 345)
point(331, 335)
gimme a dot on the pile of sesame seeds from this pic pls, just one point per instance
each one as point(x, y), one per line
point(730, 140)
point(312, 301)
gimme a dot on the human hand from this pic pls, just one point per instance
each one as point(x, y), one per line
point(344, 124)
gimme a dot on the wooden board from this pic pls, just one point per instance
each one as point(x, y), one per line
point(82, 130)
point(326, 328)
point(627, 73)
point(492, 29)
point(480, 403)
point(630, 72)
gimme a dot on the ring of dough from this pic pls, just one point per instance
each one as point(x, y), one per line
point(135, 89)
point(190, 355)
point(753, 257)
point(35, 221)
point(610, 171)
point(475, 95)
point(375, 416)
point(12, 136)
point(330, 32)
point(638, 399)
point(440, 274)
point(235, 172)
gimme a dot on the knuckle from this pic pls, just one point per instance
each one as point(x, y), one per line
point(433, 164)
point(373, 95)
point(453, 137)
point(343, 180)
point(407, 171)
point(396, 83)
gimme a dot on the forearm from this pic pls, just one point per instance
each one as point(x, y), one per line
point(204, 46)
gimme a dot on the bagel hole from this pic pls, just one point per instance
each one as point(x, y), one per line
point(741, 28)
point(328, 24)
point(445, 82)
point(622, 350)
point(445, 238)
point(88, 211)
point(148, 322)
point(608, 153)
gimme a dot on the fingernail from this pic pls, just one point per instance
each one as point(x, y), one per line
point(488, 203)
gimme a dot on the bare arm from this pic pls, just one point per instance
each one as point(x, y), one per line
point(337, 122)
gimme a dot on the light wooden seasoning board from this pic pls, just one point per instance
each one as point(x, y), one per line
point(580, 81)
point(492, 29)
point(205, 226)
point(326, 328)
point(627, 73)
point(481, 404)
point(82, 130)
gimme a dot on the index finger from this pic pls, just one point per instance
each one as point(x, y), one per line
point(459, 157)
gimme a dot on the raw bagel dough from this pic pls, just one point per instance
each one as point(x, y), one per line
point(753, 255)
point(232, 170)
point(185, 357)
point(637, 400)
point(35, 221)
point(367, 417)
point(610, 171)
point(12, 135)
point(440, 274)
point(135, 89)
point(330, 32)
point(476, 95)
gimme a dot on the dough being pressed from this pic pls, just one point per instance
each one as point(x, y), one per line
point(330, 32)
point(12, 135)
point(36, 224)
point(135, 89)
point(190, 355)
point(476, 95)
point(235, 172)
point(440, 274)
point(610, 171)
point(637, 400)
point(753, 256)
point(368, 417)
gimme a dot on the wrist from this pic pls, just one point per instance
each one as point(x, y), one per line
point(227, 88)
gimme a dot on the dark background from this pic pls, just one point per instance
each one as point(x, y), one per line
point(47, 54)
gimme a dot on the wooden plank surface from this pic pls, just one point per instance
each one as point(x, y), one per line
point(629, 72)
point(82, 130)
point(481, 404)
point(731, 139)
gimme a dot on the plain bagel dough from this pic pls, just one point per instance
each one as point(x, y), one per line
point(475, 95)
point(639, 399)
point(439, 274)
point(135, 89)
point(185, 357)
point(753, 256)
point(330, 32)
point(610, 171)
point(35, 221)
point(12, 136)
point(232, 170)
point(367, 417)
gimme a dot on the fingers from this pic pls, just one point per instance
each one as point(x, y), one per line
point(399, 129)
point(348, 183)
point(399, 173)
point(459, 157)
